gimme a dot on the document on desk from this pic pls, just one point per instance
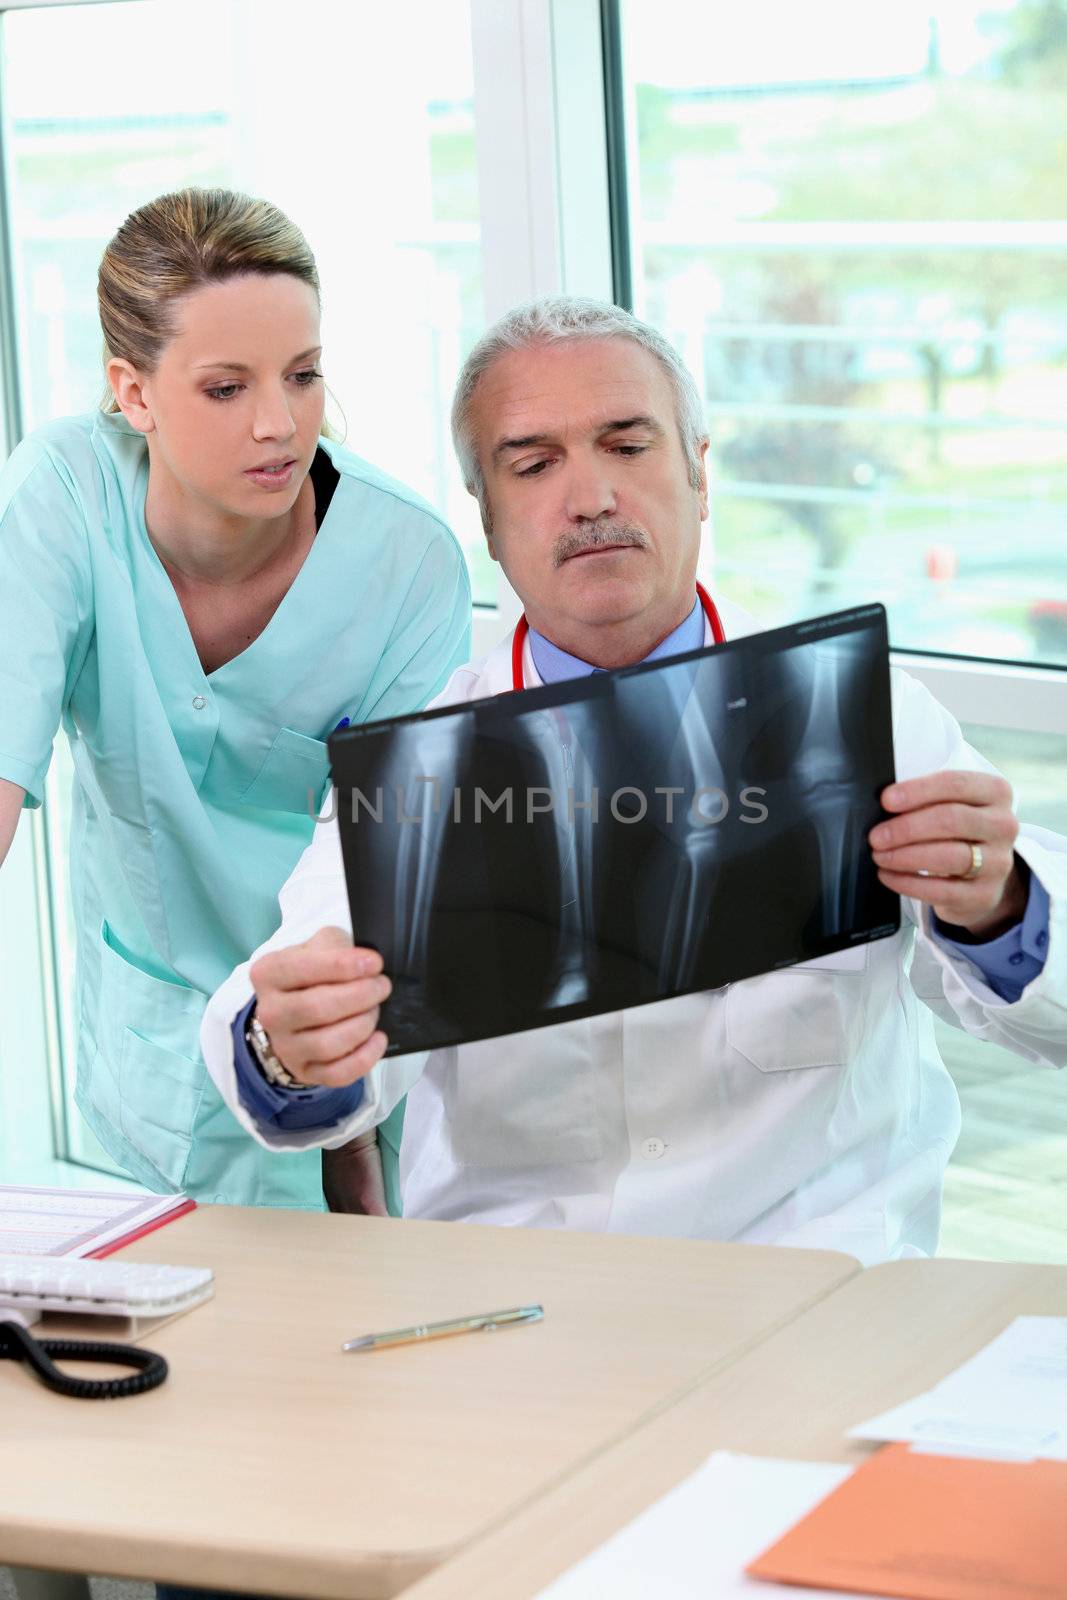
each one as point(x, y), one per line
point(38, 1221)
point(1008, 1400)
point(693, 1544)
point(926, 1527)
point(533, 858)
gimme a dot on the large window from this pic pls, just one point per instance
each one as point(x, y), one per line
point(371, 151)
point(1004, 1187)
point(853, 220)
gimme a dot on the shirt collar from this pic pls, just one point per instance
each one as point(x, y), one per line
point(554, 665)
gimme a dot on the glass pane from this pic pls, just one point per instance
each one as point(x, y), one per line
point(370, 151)
point(372, 154)
point(853, 222)
point(78, 1141)
point(1004, 1186)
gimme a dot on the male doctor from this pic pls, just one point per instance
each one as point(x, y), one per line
point(808, 1106)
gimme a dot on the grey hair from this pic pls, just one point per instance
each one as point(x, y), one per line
point(552, 320)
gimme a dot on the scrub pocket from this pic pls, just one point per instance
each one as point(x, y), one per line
point(803, 1016)
point(149, 1031)
point(293, 777)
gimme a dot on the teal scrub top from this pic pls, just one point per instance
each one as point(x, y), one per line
point(194, 792)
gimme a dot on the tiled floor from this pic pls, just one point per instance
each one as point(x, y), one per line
point(1006, 1188)
point(1006, 1192)
point(102, 1588)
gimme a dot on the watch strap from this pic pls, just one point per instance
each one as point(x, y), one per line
point(258, 1040)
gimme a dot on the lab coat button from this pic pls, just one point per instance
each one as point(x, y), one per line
point(199, 702)
point(652, 1149)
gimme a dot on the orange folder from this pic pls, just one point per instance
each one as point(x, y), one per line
point(933, 1528)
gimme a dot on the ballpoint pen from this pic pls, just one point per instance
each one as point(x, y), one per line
point(443, 1330)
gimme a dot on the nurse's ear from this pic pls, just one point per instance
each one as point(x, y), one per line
point(127, 386)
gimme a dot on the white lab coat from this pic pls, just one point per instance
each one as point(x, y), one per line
point(809, 1106)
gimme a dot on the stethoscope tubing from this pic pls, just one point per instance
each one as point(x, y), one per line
point(522, 628)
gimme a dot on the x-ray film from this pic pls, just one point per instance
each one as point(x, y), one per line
point(621, 838)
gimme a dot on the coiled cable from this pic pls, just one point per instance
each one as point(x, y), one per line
point(16, 1344)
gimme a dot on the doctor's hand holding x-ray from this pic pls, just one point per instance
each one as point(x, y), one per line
point(317, 1000)
point(807, 1106)
point(320, 1001)
point(951, 845)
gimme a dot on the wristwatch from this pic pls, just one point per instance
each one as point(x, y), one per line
point(258, 1041)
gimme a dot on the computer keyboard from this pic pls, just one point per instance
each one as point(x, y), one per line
point(106, 1288)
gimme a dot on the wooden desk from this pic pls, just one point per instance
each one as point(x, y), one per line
point(272, 1462)
point(882, 1337)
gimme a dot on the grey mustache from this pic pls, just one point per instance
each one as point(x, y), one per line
point(596, 538)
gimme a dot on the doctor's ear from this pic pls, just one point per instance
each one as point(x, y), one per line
point(702, 487)
point(478, 490)
point(127, 386)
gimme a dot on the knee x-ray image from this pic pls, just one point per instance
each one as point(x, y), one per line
point(621, 838)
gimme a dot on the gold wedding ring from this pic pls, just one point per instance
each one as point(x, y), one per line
point(976, 864)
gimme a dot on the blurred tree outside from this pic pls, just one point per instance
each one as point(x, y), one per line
point(954, 347)
point(792, 454)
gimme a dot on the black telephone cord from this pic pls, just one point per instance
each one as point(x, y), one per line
point(18, 1345)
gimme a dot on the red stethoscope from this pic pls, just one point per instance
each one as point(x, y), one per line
point(522, 628)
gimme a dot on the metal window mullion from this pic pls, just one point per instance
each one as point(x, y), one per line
point(616, 152)
point(582, 164)
point(35, 906)
point(52, 1000)
point(542, 182)
point(515, 139)
point(10, 387)
point(991, 694)
point(42, 906)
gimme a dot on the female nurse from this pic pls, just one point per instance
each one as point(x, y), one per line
point(199, 587)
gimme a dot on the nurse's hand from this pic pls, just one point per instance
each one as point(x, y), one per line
point(925, 850)
point(319, 1003)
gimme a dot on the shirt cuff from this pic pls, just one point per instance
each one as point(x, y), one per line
point(1014, 959)
point(286, 1109)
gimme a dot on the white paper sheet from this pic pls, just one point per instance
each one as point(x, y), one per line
point(1008, 1400)
point(695, 1542)
point(72, 1222)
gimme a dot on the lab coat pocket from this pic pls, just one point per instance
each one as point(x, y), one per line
point(525, 1100)
point(293, 776)
point(810, 1015)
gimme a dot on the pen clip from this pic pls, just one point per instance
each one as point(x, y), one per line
point(522, 1314)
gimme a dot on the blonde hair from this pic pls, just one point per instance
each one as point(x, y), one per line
point(178, 243)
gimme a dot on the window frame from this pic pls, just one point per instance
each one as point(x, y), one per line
point(956, 685)
point(552, 183)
